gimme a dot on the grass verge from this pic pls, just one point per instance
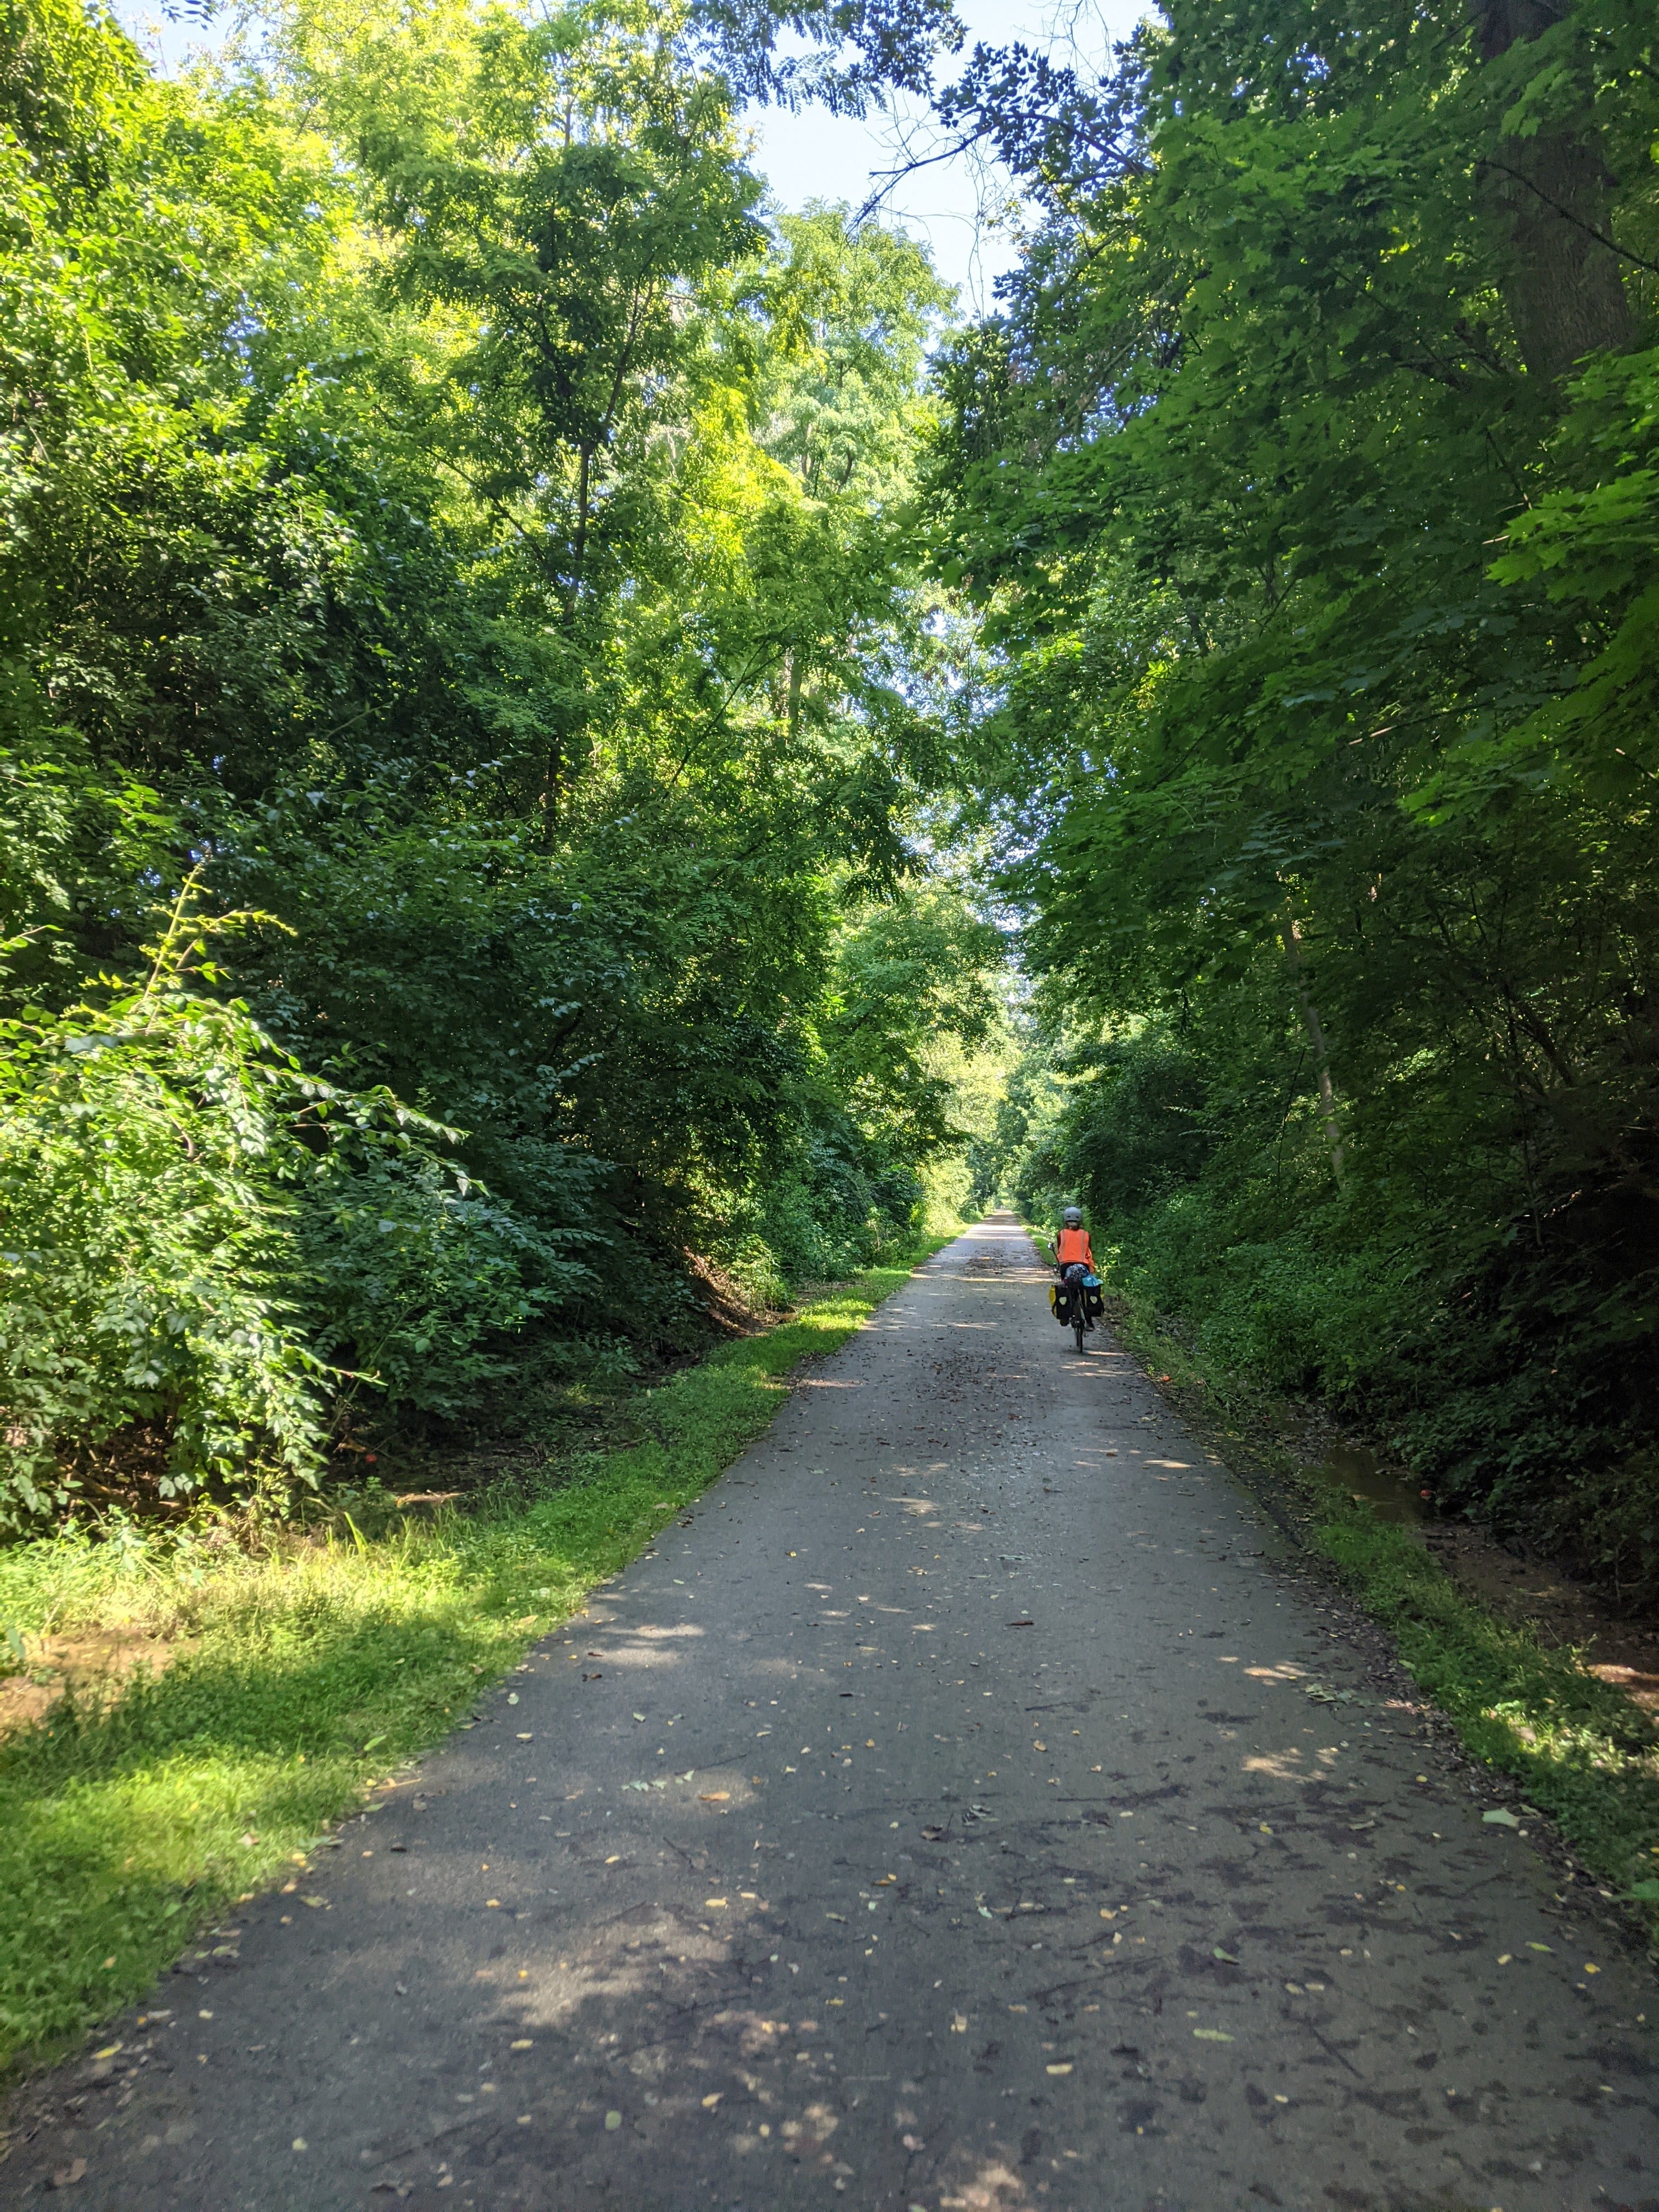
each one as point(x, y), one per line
point(304, 1672)
point(1582, 1753)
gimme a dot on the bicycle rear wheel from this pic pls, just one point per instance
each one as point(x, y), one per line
point(1078, 1328)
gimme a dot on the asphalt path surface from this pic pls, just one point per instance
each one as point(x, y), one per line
point(970, 1804)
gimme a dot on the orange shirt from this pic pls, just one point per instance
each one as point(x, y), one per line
point(1073, 1244)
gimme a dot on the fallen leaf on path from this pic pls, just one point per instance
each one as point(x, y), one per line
point(714, 1796)
point(67, 2176)
point(959, 2024)
point(1212, 2035)
point(1220, 1953)
point(523, 2043)
point(1540, 1946)
point(932, 1835)
point(709, 2103)
point(714, 1905)
point(1500, 1818)
point(612, 2122)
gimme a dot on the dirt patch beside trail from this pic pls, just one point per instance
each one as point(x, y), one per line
point(1523, 1588)
point(94, 1666)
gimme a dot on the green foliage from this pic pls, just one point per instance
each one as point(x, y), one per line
point(411, 1271)
point(140, 1145)
point(192, 1222)
point(441, 510)
point(922, 968)
point(1304, 482)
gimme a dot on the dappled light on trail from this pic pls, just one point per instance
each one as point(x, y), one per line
point(765, 1884)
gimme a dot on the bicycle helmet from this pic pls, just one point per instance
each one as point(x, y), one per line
point(1072, 1217)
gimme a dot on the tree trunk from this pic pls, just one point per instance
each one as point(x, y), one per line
point(1562, 290)
point(1291, 938)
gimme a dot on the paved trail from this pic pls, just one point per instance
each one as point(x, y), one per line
point(947, 1814)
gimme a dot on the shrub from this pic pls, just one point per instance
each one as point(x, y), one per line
point(191, 1225)
point(413, 1274)
point(144, 1232)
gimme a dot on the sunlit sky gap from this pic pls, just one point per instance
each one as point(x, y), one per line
point(963, 208)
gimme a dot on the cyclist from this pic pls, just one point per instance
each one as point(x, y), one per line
point(1074, 1257)
point(1072, 1246)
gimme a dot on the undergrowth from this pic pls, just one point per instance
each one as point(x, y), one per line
point(304, 1670)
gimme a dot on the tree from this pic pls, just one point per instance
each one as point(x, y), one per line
point(446, 523)
point(1321, 766)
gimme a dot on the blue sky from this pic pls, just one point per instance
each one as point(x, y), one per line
point(961, 207)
